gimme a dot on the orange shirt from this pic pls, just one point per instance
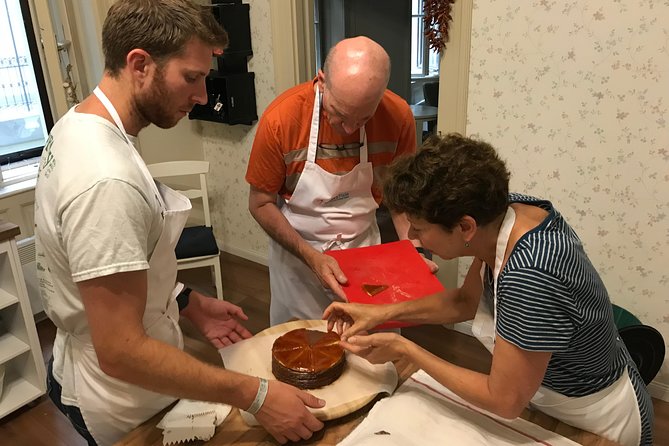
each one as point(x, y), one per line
point(279, 150)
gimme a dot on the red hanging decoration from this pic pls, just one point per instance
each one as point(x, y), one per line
point(437, 18)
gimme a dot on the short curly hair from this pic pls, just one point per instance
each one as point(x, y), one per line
point(160, 27)
point(448, 178)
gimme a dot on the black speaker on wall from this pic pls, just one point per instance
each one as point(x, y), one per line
point(234, 17)
point(230, 87)
point(232, 99)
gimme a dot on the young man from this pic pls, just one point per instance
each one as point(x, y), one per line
point(326, 171)
point(105, 236)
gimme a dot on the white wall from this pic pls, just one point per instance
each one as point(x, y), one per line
point(88, 17)
point(181, 142)
point(575, 95)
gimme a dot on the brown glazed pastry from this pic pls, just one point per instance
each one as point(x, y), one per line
point(373, 290)
point(307, 359)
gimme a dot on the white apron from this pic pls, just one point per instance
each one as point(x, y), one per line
point(330, 212)
point(612, 413)
point(110, 407)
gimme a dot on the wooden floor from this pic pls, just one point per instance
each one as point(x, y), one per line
point(246, 284)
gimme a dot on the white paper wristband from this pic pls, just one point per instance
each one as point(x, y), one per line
point(259, 400)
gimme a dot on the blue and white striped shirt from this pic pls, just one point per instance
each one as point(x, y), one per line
point(551, 298)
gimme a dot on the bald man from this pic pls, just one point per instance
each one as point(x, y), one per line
point(315, 174)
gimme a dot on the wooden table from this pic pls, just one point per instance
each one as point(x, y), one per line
point(8, 230)
point(234, 431)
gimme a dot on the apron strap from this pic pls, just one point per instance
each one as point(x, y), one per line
point(117, 120)
point(502, 243)
point(313, 133)
point(112, 111)
point(363, 148)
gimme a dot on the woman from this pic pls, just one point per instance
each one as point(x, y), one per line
point(537, 302)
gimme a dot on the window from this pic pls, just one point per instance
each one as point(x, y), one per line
point(424, 61)
point(399, 29)
point(25, 115)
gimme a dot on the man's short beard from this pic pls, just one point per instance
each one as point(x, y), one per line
point(153, 106)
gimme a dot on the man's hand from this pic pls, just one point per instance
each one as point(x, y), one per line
point(328, 272)
point(350, 319)
point(377, 348)
point(285, 415)
point(262, 205)
point(216, 319)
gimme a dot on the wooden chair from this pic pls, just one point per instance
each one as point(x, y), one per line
point(194, 259)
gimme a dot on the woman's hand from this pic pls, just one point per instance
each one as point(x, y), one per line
point(349, 319)
point(216, 319)
point(377, 348)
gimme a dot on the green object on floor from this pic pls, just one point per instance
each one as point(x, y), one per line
point(623, 318)
point(644, 343)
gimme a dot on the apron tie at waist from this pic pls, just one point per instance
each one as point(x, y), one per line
point(336, 243)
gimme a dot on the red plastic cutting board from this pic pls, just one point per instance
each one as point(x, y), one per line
point(395, 264)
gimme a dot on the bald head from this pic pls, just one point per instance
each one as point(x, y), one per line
point(357, 66)
point(354, 77)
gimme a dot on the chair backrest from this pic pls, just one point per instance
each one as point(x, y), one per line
point(171, 169)
point(431, 93)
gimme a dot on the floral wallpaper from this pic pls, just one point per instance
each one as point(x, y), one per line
point(227, 148)
point(575, 95)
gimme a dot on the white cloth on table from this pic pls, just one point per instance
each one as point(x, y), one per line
point(423, 412)
point(192, 420)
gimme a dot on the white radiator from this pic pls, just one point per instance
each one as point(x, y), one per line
point(27, 256)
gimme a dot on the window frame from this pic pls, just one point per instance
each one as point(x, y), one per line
point(7, 160)
point(424, 47)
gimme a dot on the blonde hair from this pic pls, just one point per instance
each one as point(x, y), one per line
point(160, 27)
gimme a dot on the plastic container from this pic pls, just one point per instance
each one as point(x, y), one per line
point(623, 318)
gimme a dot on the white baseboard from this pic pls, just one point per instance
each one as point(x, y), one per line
point(245, 254)
point(658, 390)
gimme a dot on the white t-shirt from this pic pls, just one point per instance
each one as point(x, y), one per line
point(96, 214)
